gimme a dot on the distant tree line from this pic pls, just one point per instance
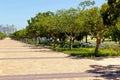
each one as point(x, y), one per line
point(74, 24)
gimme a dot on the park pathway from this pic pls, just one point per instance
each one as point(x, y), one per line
point(20, 61)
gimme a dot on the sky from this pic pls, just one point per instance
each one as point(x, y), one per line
point(17, 12)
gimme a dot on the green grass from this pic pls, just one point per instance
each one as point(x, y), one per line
point(89, 52)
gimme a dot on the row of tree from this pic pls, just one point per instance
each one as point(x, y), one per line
point(75, 23)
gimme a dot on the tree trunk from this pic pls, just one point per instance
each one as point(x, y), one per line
point(98, 41)
point(39, 40)
point(55, 43)
point(71, 41)
point(86, 39)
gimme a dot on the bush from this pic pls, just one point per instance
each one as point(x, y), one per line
point(2, 35)
point(76, 45)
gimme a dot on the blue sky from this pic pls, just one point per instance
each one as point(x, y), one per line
point(17, 12)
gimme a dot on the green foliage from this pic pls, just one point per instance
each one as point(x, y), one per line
point(112, 12)
point(21, 34)
point(86, 3)
point(116, 32)
point(2, 35)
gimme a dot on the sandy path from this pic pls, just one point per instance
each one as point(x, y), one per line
point(20, 59)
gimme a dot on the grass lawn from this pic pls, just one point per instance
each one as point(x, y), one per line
point(89, 52)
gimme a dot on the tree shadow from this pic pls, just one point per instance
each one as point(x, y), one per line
point(110, 72)
point(91, 58)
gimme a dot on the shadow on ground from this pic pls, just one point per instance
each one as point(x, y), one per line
point(91, 58)
point(110, 72)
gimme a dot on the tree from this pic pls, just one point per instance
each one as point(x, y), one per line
point(83, 7)
point(94, 23)
point(69, 25)
point(112, 12)
point(52, 24)
point(22, 34)
point(31, 29)
point(86, 4)
point(116, 32)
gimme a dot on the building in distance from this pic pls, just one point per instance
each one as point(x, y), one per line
point(8, 29)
